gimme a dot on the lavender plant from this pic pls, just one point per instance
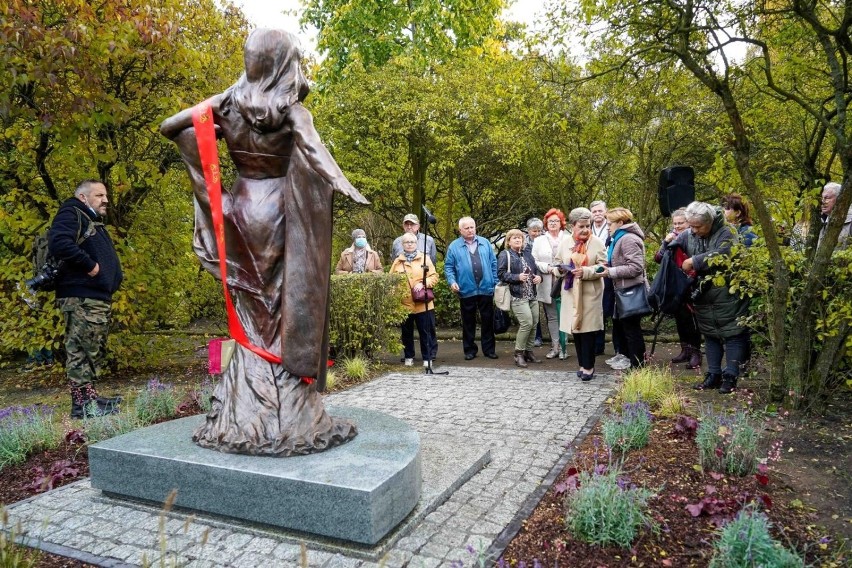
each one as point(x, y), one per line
point(606, 509)
point(727, 441)
point(24, 429)
point(629, 429)
point(103, 427)
point(745, 541)
point(156, 402)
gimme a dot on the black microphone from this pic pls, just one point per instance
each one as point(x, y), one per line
point(429, 217)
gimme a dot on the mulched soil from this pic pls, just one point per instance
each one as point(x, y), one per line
point(808, 487)
point(666, 465)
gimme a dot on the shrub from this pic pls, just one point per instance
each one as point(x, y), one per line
point(745, 542)
point(157, 402)
point(24, 430)
point(606, 510)
point(356, 367)
point(99, 428)
point(366, 312)
point(648, 384)
point(727, 441)
point(628, 430)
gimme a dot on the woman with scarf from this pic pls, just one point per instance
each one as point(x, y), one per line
point(580, 259)
point(410, 262)
point(626, 268)
point(544, 250)
point(359, 258)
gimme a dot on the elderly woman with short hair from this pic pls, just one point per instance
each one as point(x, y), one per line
point(359, 258)
point(516, 267)
point(717, 311)
point(580, 259)
point(626, 268)
point(543, 251)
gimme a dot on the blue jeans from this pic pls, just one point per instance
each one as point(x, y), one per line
point(736, 349)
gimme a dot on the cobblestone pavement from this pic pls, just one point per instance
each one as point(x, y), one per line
point(527, 418)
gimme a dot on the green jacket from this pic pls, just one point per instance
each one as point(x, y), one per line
point(716, 309)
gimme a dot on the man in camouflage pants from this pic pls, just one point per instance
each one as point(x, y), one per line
point(90, 274)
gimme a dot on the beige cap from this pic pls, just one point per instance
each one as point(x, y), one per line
point(411, 218)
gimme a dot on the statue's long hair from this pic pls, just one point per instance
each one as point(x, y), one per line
point(273, 79)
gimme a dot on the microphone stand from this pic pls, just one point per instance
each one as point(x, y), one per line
point(432, 330)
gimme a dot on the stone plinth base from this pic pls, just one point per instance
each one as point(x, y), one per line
point(356, 492)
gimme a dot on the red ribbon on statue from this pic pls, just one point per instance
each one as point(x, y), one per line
point(205, 134)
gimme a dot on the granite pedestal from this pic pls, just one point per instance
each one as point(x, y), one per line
point(356, 492)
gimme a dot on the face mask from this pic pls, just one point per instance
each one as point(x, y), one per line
point(361, 242)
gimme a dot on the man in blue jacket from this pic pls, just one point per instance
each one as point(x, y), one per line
point(471, 270)
point(89, 275)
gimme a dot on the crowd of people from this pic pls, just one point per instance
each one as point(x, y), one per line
point(577, 276)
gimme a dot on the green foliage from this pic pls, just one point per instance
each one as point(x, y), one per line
point(158, 401)
point(447, 314)
point(12, 554)
point(24, 430)
point(356, 367)
point(745, 543)
point(629, 429)
point(366, 311)
point(671, 405)
point(728, 441)
point(99, 428)
point(604, 511)
point(647, 384)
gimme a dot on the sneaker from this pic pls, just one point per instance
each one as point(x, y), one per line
point(552, 353)
point(426, 364)
point(537, 343)
point(409, 362)
point(619, 362)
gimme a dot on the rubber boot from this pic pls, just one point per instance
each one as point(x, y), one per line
point(82, 398)
point(729, 383)
point(519, 359)
point(711, 381)
point(694, 357)
point(529, 357)
point(683, 356)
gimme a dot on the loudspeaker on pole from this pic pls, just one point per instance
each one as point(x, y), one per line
point(676, 188)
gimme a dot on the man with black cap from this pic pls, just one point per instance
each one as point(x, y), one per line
point(410, 224)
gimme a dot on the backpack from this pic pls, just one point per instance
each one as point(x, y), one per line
point(45, 265)
point(670, 286)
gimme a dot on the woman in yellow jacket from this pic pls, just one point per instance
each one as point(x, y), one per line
point(410, 262)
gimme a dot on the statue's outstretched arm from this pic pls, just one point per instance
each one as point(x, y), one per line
point(308, 140)
point(176, 124)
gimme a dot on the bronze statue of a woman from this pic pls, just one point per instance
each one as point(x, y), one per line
point(277, 226)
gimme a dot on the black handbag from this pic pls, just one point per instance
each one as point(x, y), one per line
point(556, 286)
point(632, 301)
point(502, 321)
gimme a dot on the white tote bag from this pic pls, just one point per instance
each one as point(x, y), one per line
point(502, 294)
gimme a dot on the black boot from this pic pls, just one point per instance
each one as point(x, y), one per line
point(683, 356)
point(529, 357)
point(82, 398)
point(729, 383)
point(519, 358)
point(711, 381)
point(694, 358)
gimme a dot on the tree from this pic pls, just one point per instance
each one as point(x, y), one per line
point(82, 91)
point(799, 55)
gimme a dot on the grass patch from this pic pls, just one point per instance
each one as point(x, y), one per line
point(356, 367)
point(672, 405)
point(99, 428)
point(646, 384)
point(13, 554)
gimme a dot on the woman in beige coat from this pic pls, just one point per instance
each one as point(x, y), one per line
point(410, 262)
point(580, 258)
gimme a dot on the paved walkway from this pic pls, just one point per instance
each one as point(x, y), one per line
point(526, 417)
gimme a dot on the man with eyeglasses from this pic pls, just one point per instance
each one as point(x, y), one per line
point(829, 199)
